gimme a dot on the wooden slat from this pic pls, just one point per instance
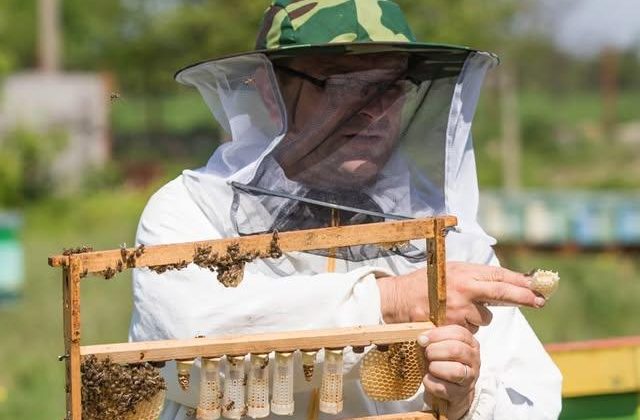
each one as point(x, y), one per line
point(437, 285)
point(71, 320)
point(598, 367)
point(437, 275)
point(303, 240)
point(598, 344)
point(163, 350)
point(414, 415)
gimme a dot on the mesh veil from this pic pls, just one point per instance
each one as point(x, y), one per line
point(321, 141)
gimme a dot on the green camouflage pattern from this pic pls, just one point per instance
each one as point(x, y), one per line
point(288, 23)
point(291, 28)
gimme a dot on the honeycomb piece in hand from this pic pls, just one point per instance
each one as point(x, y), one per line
point(544, 282)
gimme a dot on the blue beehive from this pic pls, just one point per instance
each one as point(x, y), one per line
point(627, 222)
point(593, 221)
point(11, 258)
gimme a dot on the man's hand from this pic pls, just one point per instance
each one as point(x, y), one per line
point(453, 366)
point(469, 287)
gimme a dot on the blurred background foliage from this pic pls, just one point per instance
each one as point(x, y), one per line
point(577, 131)
point(141, 43)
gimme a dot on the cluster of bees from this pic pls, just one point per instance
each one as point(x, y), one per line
point(168, 267)
point(111, 391)
point(77, 250)
point(127, 260)
point(230, 266)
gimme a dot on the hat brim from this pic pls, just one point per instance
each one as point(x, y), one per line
point(454, 52)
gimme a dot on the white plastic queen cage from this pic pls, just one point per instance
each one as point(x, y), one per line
point(331, 388)
point(258, 386)
point(282, 398)
point(233, 401)
point(210, 390)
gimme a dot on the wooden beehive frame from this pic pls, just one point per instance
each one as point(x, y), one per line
point(77, 266)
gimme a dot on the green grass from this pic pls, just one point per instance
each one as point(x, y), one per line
point(576, 107)
point(32, 329)
point(597, 298)
point(563, 143)
point(179, 113)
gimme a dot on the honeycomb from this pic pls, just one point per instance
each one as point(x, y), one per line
point(148, 409)
point(392, 375)
point(545, 282)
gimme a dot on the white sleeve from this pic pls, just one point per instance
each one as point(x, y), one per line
point(189, 302)
point(518, 380)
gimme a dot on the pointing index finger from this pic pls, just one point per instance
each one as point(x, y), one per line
point(503, 293)
point(500, 274)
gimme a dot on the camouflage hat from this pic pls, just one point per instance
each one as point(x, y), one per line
point(312, 22)
point(292, 27)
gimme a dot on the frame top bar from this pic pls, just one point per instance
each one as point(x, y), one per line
point(301, 240)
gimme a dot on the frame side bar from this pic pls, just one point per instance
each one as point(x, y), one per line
point(437, 286)
point(71, 321)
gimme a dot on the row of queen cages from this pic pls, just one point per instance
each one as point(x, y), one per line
point(241, 394)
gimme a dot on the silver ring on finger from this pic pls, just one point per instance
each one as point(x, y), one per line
point(464, 377)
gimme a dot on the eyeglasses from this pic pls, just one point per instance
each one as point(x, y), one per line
point(322, 82)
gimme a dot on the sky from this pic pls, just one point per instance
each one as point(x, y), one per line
point(586, 26)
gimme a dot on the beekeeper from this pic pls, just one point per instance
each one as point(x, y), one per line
point(339, 117)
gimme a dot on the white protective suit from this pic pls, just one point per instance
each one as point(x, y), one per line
point(518, 380)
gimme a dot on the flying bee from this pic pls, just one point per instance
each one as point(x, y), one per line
point(249, 81)
point(114, 96)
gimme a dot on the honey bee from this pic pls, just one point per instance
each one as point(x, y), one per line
point(230, 405)
point(109, 273)
point(139, 250)
point(264, 363)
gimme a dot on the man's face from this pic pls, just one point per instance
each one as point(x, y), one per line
point(343, 118)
